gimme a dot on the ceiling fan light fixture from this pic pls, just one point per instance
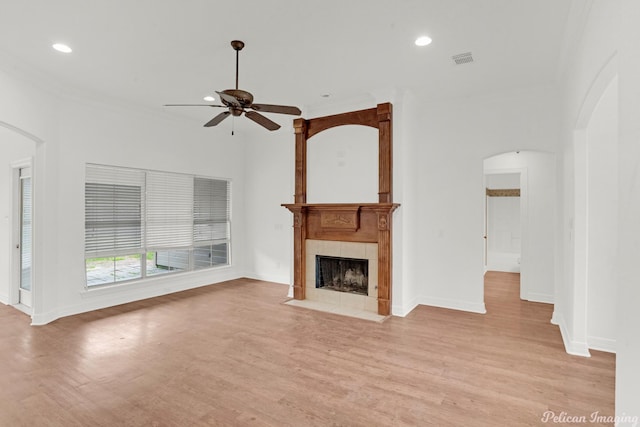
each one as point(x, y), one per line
point(423, 41)
point(61, 47)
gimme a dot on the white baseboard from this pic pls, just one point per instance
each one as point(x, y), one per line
point(473, 307)
point(503, 268)
point(4, 299)
point(97, 299)
point(602, 344)
point(575, 348)
point(403, 310)
point(283, 280)
point(545, 298)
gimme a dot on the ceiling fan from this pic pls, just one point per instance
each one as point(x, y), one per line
point(238, 101)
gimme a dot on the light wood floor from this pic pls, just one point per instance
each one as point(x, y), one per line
point(233, 354)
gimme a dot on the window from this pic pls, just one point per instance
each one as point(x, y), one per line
point(146, 223)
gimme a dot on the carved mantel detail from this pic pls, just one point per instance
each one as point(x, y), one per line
point(341, 219)
point(383, 221)
point(347, 222)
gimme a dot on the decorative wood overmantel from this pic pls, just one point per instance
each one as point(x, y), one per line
point(348, 222)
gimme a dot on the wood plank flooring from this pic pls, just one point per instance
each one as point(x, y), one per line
point(233, 354)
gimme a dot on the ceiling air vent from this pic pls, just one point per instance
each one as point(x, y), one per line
point(462, 58)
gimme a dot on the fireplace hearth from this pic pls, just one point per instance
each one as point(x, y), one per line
point(342, 274)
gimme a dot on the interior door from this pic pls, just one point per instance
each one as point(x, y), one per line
point(26, 234)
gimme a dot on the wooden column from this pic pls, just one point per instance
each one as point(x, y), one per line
point(384, 262)
point(299, 250)
point(300, 128)
point(385, 159)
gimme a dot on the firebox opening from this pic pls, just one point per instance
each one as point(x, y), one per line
point(342, 274)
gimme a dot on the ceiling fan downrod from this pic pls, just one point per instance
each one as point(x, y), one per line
point(237, 45)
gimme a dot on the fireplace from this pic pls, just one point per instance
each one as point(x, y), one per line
point(342, 296)
point(355, 231)
point(342, 274)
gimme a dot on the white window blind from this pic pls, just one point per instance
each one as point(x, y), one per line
point(169, 212)
point(144, 223)
point(211, 210)
point(113, 211)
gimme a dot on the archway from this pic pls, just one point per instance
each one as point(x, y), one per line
point(536, 171)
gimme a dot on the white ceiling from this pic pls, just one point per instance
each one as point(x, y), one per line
point(152, 52)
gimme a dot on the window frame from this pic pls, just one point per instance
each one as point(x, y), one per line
point(145, 249)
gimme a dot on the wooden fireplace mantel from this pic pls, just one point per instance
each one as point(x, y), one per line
point(347, 222)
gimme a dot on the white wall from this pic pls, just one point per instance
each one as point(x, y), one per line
point(116, 136)
point(627, 341)
point(446, 219)
point(343, 165)
point(269, 173)
point(438, 180)
point(602, 221)
point(74, 133)
point(590, 66)
point(607, 47)
point(31, 111)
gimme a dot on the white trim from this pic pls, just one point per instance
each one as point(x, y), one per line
point(473, 307)
point(96, 301)
point(543, 298)
point(280, 280)
point(15, 222)
point(575, 348)
point(403, 310)
point(21, 132)
point(599, 85)
point(524, 221)
point(602, 344)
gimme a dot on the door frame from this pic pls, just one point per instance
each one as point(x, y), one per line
point(15, 253)
point(524, 223)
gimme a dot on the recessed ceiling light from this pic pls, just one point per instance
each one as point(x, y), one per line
point(423, 41)
point(209, 98)
point(325, 95)
point(61, 47)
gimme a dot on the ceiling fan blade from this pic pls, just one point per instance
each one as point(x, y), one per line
point(217, 119)
point(231, 100)
point(262, 120)
point(193, 105)
point(282, 109)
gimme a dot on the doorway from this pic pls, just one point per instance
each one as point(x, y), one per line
point(503, 225)
point(537, 177)
point(17, 207)
point(25, 239)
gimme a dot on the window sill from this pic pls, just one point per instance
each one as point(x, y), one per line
point(165, 282)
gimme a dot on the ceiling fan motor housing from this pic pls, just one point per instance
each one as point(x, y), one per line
point(244, 98)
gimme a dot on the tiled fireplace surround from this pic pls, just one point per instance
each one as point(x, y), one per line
point(348, 230)
point(368, 251)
